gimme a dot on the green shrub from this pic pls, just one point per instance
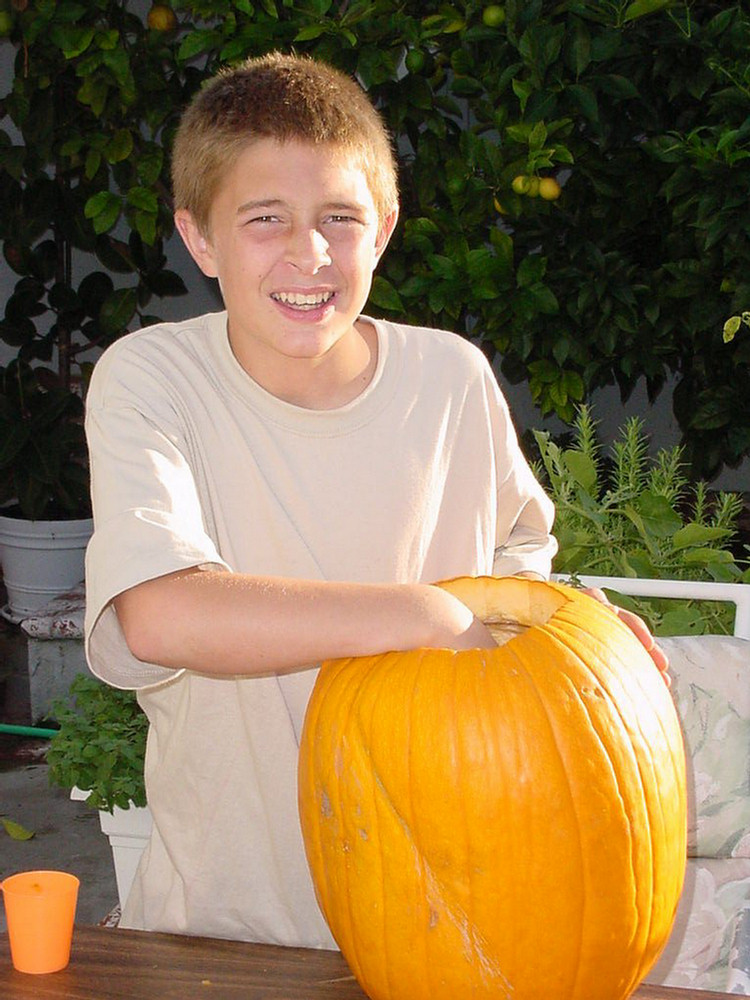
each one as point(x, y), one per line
point(100, 745)
point(631, 514)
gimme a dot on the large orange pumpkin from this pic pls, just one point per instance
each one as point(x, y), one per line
point(505, 823)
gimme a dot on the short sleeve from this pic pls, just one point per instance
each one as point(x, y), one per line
point(525, 514)
point(148, 522)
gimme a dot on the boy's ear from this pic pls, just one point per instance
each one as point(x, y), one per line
point(385, 232)
point(196, 241)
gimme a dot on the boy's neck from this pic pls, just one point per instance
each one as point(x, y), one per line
point(323, 383)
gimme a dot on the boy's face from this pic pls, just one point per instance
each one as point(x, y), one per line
point(293, 239)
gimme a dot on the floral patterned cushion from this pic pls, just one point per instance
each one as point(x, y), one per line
point(711, 687)
point(709, 947)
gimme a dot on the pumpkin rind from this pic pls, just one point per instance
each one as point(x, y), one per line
point(480, 823)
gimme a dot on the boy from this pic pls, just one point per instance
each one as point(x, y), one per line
point(277, 484)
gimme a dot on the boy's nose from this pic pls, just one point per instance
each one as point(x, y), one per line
point(308, 250)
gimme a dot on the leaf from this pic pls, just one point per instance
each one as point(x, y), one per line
point(531, 270)
point(384, 295)
point(73, 41)
point(145, 224)
point(580, 48)
point(93, 91)
point(68, 11)
point(697, 534)
point(143, 198)
point(659, 517)
point(165, 282)
point(14, 439)
point(538, 136)
point(108, 40)
point(523, 90)
point(149, 164)
point(731, 327)
point(120, 146)
point(15, 831)
point(118, 310)
point(711, 413)
point(503, 246)
point(684, 620)
point(544, 301)
point(198, 42)
point(640, 8)
point(706, 556)
point(309, 32)
point(586, 100)
point(518, 133)
point(93, 162)
point(118, 62)
point(618, 86)
point(581, 468)
point(103, 208)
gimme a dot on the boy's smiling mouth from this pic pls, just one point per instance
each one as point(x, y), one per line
point(302, 300)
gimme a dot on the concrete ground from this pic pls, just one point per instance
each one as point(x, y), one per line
point(66, 834)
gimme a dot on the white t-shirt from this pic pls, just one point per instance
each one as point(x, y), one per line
point(420, 478)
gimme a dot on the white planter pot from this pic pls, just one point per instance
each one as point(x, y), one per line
point(40, 561)
point(128, 831)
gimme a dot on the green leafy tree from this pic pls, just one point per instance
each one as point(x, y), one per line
point(616, 257)
point(84, 213)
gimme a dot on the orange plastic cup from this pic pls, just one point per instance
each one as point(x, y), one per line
point(40, 908)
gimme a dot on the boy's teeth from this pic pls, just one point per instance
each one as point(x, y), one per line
point(300, 299)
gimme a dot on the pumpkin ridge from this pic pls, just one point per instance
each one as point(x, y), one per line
point(349, 682)
point(656, 811)
point(627, 637)
point(653, 803)
point(468, 922)
point(437, 889)
point(585, 708)
point(419, 850)
point(338, 679)
point(313, 831)
point(475, 940)
point(571, 798)
point(363, 749)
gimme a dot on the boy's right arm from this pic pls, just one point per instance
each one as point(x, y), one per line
point(216, 622)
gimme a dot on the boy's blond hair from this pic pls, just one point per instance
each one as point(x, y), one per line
point(281, 97)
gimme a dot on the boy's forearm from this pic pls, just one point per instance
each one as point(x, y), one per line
point(228, 624)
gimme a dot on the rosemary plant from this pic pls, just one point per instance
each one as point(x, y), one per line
point(634, 514)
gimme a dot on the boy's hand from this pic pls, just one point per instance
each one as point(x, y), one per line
point(455, 626)
point(477, 636)
point(639, 629)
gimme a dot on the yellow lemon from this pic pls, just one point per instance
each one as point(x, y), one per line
point(549, 189)
point(494, 15)
point(161, 18)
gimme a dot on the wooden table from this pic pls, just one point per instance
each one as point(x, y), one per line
point(109, 964)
